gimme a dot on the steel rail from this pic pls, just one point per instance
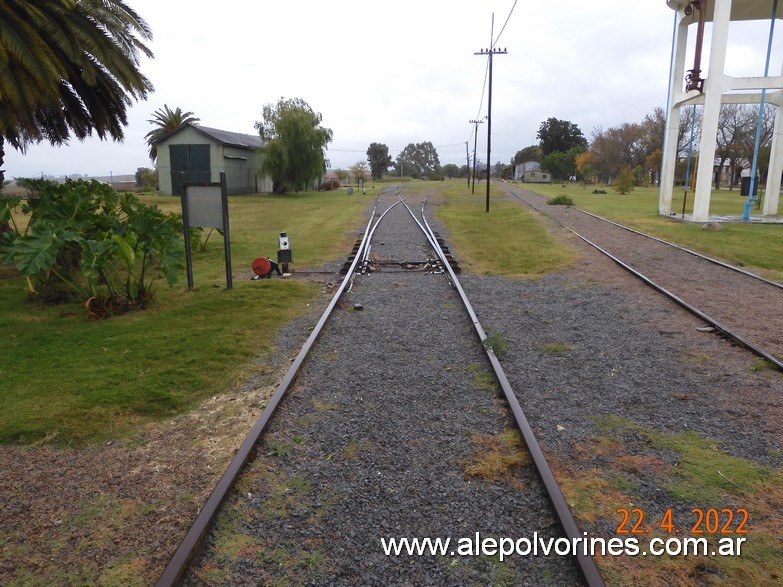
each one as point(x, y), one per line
point(567, 521)
point(681, 248)
point(736, 338)
point(366, 256)
point(173, 572)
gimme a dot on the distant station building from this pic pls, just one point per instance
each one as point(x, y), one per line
point(197, 154)
point(530, 172)
point(714, 89)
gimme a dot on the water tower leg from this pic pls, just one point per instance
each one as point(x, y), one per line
point(669, 162)
point(714, 87)
point(772, 196)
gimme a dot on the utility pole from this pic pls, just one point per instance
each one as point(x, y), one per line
point(475, 140)
point(467, 161)
point(490, 52)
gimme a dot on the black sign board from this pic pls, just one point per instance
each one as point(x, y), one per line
point(206, 205)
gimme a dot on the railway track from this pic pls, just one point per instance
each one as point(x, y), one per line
point(376, 453)
point(742, 306)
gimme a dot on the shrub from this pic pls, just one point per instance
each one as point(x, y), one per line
point(624, 182)
point(561, 200)
point(85, 240)
point(331, 185)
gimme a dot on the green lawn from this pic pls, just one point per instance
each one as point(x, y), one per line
point(759, 247)
point(69, 380)
point(509, 240)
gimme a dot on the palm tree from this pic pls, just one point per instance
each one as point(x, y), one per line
point(68, 66)
point(166, 121)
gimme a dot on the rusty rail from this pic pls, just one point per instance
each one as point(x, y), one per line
point(567, 521)
point(173, 572)
point(724, 331)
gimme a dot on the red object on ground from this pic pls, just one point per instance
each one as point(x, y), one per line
point(262, 266)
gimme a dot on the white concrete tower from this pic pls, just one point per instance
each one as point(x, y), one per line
point(714, 89)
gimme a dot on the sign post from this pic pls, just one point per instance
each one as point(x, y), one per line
point(206, 205)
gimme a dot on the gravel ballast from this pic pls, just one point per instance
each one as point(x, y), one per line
point(378, 434)
point(375, 441)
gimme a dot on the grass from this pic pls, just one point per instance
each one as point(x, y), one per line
point(496, 457)
point(697, 474)
point(69, 381)
point(759, 247)
point(497, 343)
point(277, 498)
point(555, 348)
point(508, 240)
point(704, 473)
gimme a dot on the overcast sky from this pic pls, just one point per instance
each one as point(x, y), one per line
point(398, 72)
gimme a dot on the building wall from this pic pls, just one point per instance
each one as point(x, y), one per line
point(537, 177)
point(187, 136)
point(240, 165)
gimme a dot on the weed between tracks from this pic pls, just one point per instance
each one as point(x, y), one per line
point(618, 470)
point(555, 348)
point(496, 457)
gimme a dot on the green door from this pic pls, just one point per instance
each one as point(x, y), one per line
point(189, 164)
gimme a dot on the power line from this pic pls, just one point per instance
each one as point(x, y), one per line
point(504, 24)
point(490, 52)
point(483, 90)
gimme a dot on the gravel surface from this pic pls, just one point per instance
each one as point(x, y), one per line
point(390, 412)
point(585, 344)
point(750, 307)
point(375, 442)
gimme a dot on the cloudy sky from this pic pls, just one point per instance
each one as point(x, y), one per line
point(399, 72)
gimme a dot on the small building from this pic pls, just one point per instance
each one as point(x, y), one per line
point(197, 154)
point(537, 177)
point(530, 172)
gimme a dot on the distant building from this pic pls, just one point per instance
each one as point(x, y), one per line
point(197, 154)
point(530, 172)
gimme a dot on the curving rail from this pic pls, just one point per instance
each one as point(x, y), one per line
point(724, 330)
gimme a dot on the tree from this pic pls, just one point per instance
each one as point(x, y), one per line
point(584, 164)
point(531, 153)
point(360, 170)
point(379, 159)
point(653, 128)
point(561, 165)
point(69, 67)
point(147, 178)
point(166, 121)
point(736, 137)
point(294, 153)
point(418, 160)
point(617, 147)
point(450, 170)
point(560, 135)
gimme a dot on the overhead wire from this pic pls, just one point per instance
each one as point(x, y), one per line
point(486, 70)
point(495, 42)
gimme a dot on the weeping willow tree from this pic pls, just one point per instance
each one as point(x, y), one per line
point(293, 155)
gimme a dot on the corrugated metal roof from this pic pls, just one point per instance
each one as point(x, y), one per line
point(224, 137)
point(234, 139)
